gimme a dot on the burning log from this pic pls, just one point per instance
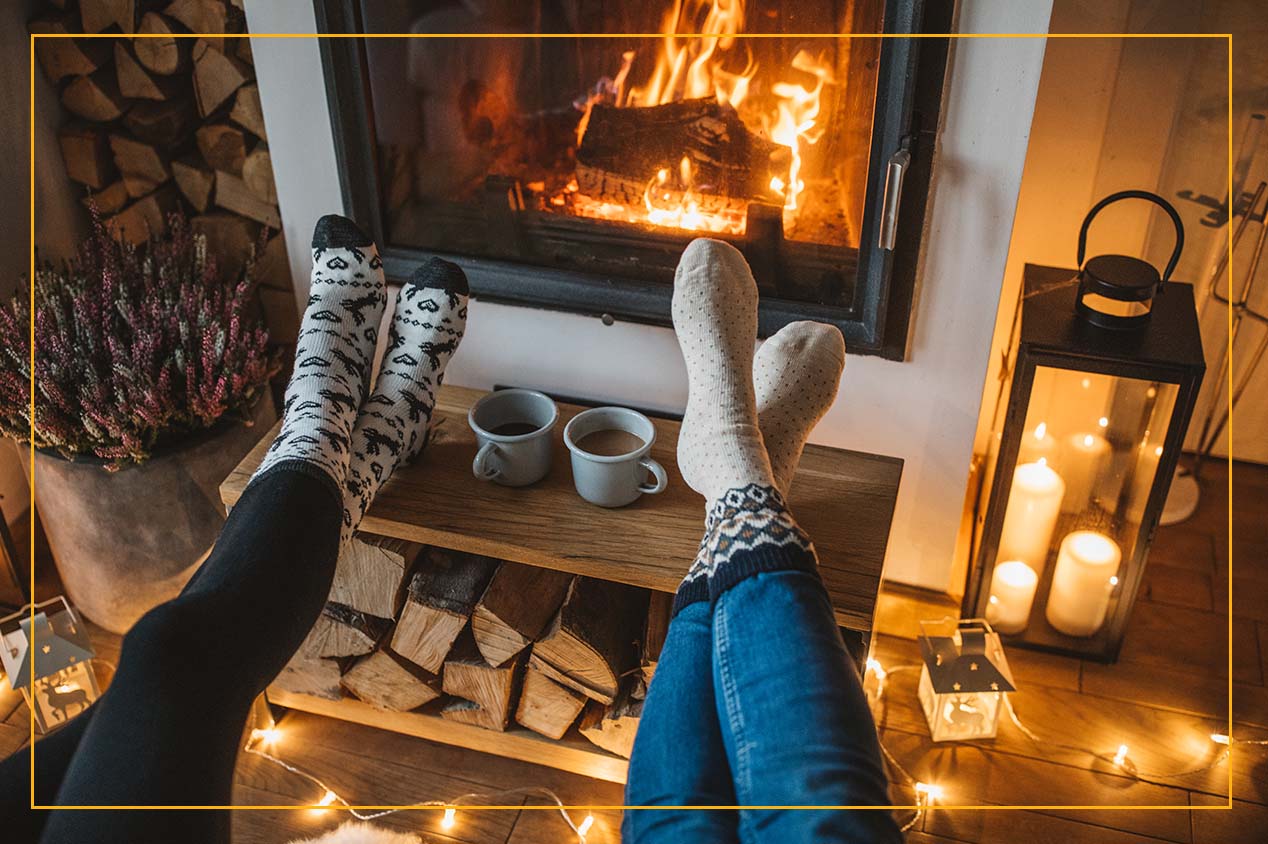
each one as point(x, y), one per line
point(442, 594)
point(547, 707)
point(613, 727)
point(516, 607)
point(624, 148)
point(385, 680)
point(371, 571)
point(591, 642)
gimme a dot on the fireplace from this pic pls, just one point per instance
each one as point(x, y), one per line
point(569, 170)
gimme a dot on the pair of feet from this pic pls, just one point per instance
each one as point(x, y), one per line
point(331, 419)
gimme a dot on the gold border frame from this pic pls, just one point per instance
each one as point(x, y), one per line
point(1226, 37)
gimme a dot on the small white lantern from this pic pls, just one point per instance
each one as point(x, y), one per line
point(963, 680)
point(54, 647)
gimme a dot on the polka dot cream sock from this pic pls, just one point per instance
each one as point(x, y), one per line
point(796, 374)
point(333, 354)
point(430, 318)
point(720, 450)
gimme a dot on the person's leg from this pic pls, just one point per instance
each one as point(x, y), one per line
point(51, 761)
point(679, 758)
point(806, 740)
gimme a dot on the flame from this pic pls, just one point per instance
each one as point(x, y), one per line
point(686, 67)
point(795, 121)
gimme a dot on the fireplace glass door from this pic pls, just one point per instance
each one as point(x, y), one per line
point(569, 167)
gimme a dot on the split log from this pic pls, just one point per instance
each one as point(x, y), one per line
point(143, 167)
point(385, 680)
point(371, 570)
point(469, 712)
point(135, 81)
point(95, 97)
point(210, 16)
point(272, 269)
point(216, 76)
point(613, 727)
point(516, 609)
point(86, 153)
point(659, 608)
point(224, 147)
point(342, 631)
point(469, 677)
point(63, 57)
point(229, 237)
point(109, 200)
point(232, 194)
point(162, 54)
point(442, 593)
point(165, 124)
point(246, 110)
point(547, 707)
point(243, 50)
point(307, 674)
point(145, 217)
point(194, 180)
point(97, 15)
point(625, 147)
point(592, 641)
point(281, 315)
point(257, 174)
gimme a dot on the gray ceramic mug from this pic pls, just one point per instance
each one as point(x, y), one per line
point(609, 446)
point(513, 429)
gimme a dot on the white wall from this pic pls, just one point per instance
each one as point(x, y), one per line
point(923, 410)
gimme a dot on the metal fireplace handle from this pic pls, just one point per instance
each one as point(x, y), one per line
point(894, 173)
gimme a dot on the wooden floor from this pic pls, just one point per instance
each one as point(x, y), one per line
point(1162, 699)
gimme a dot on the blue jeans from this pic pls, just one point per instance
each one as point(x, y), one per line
point(756, 702)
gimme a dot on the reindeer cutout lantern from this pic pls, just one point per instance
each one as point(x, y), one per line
point(53, 648)
point(963, 680)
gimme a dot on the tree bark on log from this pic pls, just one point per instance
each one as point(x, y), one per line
point(371, 571)
point(442, 593)
point(516, 608)
point(342, 631)
point(624, 148)
point(547, 707)
point(593, 639)
point(613, 727)
point(385, 680)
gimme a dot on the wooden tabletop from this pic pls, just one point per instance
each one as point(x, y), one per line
point(844, 500)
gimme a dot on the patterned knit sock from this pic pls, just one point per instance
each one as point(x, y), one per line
point(796, 373)
point(333, 355)
point(431, 315)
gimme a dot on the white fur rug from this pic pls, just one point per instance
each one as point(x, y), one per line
point(355, 832)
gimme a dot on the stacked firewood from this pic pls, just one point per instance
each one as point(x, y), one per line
point(162, 124)
point(485, 642)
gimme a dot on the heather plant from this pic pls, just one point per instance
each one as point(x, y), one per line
point(135, 348)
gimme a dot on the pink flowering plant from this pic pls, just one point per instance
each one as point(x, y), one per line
point(135, 348)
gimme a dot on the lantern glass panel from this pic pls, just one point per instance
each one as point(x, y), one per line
point(62, 695)
point(1089, 454)
point(959, 716)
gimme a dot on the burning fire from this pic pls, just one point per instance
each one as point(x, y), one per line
point(702, 66)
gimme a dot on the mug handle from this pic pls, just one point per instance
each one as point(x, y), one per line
point(662, 480)
point(480, 467)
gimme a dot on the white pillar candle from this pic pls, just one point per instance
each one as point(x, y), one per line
point(1082, 457)
point(1034, 503)
point(1086, 574)
point(1012, 592)
point(1037, 444)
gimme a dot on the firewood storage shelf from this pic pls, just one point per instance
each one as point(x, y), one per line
point(844, 499)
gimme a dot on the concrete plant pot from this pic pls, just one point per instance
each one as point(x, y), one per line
point(127, 541)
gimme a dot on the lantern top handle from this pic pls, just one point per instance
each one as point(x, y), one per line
point(1136, 194)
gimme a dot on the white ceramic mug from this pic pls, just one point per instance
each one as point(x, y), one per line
point(614, 480)
point(513, 429)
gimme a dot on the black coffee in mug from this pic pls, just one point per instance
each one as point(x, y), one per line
point(514, 429)
point(611, 442)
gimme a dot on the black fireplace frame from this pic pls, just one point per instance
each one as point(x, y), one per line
point(908, 101)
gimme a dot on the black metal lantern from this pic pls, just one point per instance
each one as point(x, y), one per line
point(1107, 369)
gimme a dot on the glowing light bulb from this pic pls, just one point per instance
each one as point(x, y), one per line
point(1121, 756)
point(1041, 430)
point(1113, 581)
point(1220, 738)
point(266, 737)
point(1103, 422)
point(929, 791)
point(585, 825)
point(874, 666)
point(326, 799)
point(450, 818)
point(1088, 440)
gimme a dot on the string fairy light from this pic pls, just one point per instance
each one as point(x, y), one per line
point(261, 740)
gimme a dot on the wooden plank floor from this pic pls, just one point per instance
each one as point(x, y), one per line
point(1163, 699)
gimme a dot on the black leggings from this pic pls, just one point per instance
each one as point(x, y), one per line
point(167, 731)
